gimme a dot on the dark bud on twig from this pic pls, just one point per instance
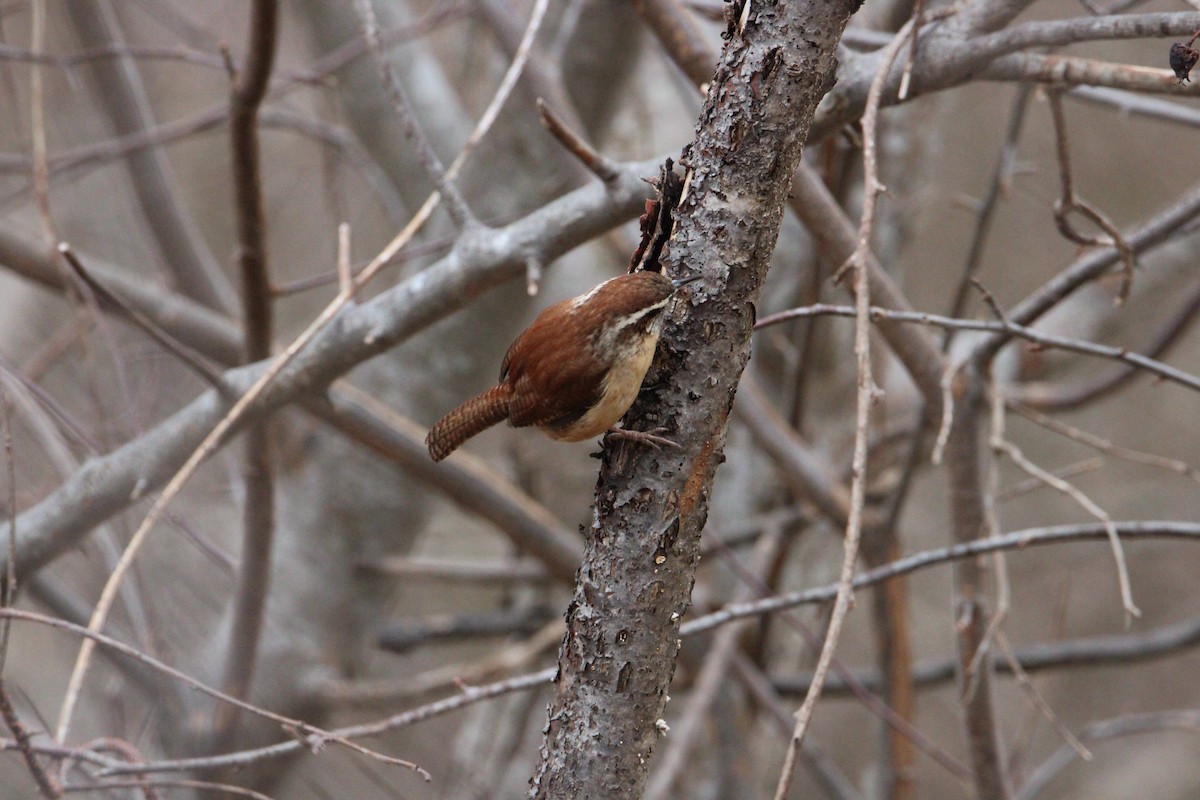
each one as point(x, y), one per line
point(1183, 57)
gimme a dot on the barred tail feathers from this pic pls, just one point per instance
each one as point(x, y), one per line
point(472, 417)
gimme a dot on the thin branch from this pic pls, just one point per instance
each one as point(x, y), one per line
point(865, 396)
point(454, 570)
point(226, 789)
point(1085, 652)
point(899, 724)
point(1038, 700)
point(122, 96)
point(438, 174)
point(1000, 182)
point(836, 239)
point(1129, 725)
point(304, 734)
point(1105, 445)
point(402, 637)
point(825, 770)
point(467, 697)
point(951, 57)
point(369, 694)
point(345, 274)
point(1070, 395)
point(1071, 202)
point(212, 334)
point(1090, 506)
point(1075, 30)
point(46, 784)
point(680, 36)
point(597, 163)
point(109, 483)
point(37, 116)
point(1009, 328)
point(1017, 540)
point(468, 481)
point(189, 357)
point(1061, 72)
point(258, 509)
point(9, 589)
point(801, 468)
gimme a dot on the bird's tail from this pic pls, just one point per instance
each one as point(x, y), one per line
point(472, 417)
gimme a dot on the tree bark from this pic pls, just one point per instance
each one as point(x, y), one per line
point(618, 655)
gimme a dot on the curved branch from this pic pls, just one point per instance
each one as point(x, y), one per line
point(484, 259)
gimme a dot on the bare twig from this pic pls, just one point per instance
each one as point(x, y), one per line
point(1010, 328)
point(1069, 395)
point(258, 509)
point(1094, 651)
point(239, 409)
point(1000, 182)
point(37, 116)
point(122, 96)
point(108, 298)
point(900, 725)
point(455, 570)
point(148, 786)
point(1132, 724)
point(1085, 502)
point(1000, 444)
point(9, 590)
point(826, 772)
point(466, 697)
point(599, 164)
point(1016, 540)
point(442, 180)
point(866, 389)
point(47, 786)
point(304, 735)
point(801, 467)
point(914, 43)
point(1032, 484)
point(1106, 446)
point(1071, 202)
point(1040, 702)
point(680, 36)
point(345, 273)
point(468, 481)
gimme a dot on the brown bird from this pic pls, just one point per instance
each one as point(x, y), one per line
point(576, 370)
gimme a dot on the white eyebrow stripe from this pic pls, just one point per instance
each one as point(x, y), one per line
point(583, 298)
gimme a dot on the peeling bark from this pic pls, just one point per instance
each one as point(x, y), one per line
point(633, 588)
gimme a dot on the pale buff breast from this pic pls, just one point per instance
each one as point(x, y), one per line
point(621, 388)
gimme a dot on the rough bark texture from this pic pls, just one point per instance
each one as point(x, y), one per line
point(619, 652)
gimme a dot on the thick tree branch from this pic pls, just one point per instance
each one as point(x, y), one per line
point(950, 56)
point(110, 483)
point(633, 588)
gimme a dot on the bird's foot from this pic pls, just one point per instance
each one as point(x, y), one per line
point(651, 437)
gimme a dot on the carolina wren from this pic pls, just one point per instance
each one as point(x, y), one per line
point(576, 370)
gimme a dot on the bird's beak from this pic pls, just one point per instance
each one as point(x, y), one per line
point(678, 282)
